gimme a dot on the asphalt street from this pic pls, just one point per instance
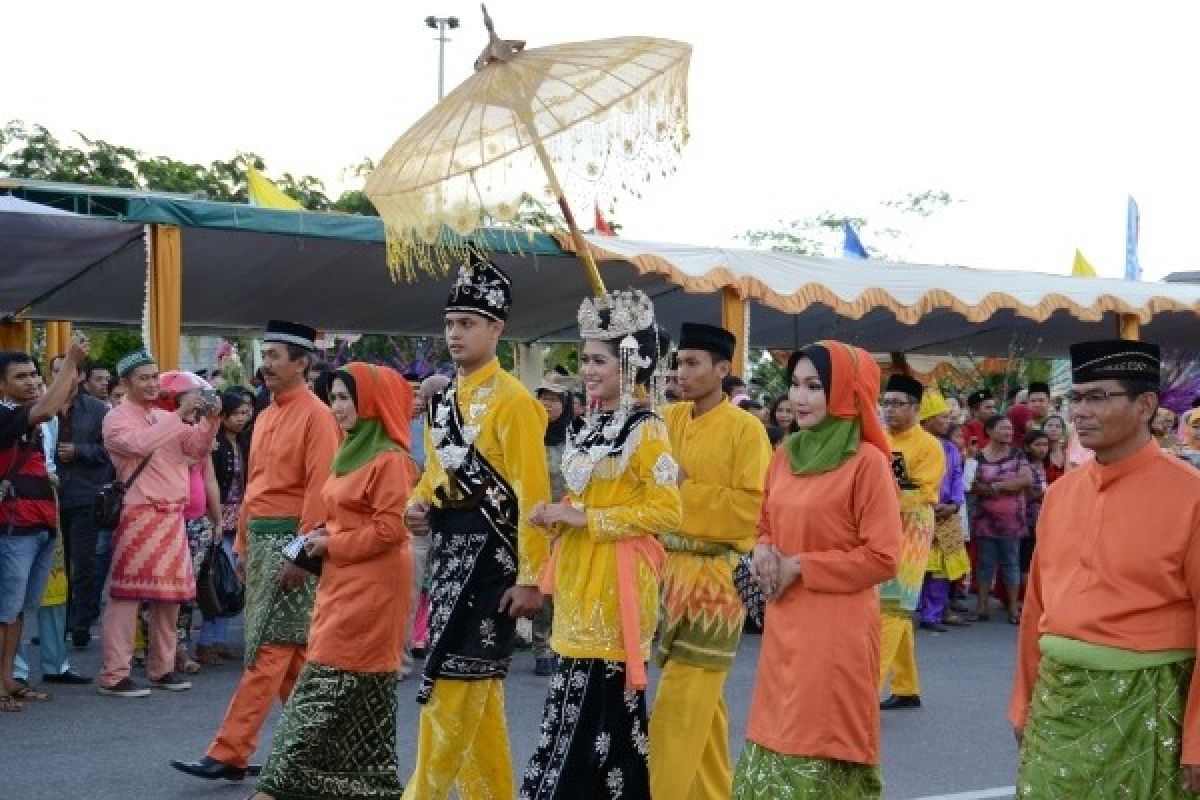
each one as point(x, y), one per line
point(83, 745)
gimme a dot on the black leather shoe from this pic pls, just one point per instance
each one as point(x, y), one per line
point(896, 701)
point(936, 627)
point(210, 769)
point(81, 637)
point(69, 677)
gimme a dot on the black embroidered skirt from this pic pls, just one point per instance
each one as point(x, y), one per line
point(594, 740)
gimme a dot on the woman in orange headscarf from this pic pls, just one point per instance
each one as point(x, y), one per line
point(337, 738)
point(829, 534)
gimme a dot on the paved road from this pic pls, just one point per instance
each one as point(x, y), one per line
point(84, 745)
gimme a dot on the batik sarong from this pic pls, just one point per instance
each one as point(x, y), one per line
point(948, 556)
point(199, 538)
point(1105, 723)
point(702, 611)
point(763, 774)
point(901, 593)
point(150, 558)
point(594, 743)
point(337, 738)
point(274, 615)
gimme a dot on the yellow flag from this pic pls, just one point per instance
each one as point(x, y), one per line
point(266, 194)
point(1081, 268)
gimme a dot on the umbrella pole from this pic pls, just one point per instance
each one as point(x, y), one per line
point(582, 251)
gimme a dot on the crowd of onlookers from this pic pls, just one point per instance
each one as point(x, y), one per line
point(1009, 456)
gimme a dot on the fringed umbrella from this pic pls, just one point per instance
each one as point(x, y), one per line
point(610, 113)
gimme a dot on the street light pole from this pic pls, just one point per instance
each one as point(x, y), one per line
point(441, 25)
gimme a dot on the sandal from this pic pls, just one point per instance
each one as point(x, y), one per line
point(1014, 619)
point(185, 663)
point(29, 693)
point(209, 657)
point(8, 703)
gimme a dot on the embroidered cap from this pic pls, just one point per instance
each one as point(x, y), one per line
point(481, 288)
point(933, 404)
point(1115, 359)
point(138, 358)
point(292, 333)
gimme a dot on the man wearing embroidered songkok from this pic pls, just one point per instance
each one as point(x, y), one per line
point(919, 464)
point(291, 451)
point(1105, 700)
point(723, 455)
point(485, 470)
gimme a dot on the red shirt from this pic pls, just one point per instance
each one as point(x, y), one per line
point(973, 429)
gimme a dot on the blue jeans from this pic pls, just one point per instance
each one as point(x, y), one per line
point(1002, 552)
point(52, 650)
point(103, 562)
point(25, 563)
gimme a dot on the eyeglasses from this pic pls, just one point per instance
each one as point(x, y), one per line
point(897, 403)
point(1095, 397)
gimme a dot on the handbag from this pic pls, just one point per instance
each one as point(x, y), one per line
point(219, 593)
point(106, 506)
point(749, 590)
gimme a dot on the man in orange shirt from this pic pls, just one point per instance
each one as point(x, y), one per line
point(290, 455)
point(1105, 701)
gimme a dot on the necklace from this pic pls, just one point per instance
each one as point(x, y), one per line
point(451, 456)
point(593, 443)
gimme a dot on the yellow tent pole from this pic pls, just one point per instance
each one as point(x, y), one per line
point(165, 288)
point(735, 318)
point(58, 339)
point(16, 335)
point(1129, 326)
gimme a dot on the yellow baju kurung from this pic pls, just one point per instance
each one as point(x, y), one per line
point(604, 579)
point(724, 455)
point(463, 738)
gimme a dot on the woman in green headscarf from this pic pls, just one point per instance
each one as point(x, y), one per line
point(337, 739)
point(828, 536)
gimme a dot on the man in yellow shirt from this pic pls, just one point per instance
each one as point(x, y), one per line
point(485, 471)
point(723, 453)
point(919, 463)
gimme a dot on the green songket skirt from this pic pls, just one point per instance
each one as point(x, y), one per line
point(1105, 724)
point(763, 774)
point(337, 738)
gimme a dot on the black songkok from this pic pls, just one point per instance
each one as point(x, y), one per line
point(1115, 359)
point(906, 384)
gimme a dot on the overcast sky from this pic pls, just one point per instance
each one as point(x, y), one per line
point(1040, 116)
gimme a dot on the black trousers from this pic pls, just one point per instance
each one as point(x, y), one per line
point(79, 546)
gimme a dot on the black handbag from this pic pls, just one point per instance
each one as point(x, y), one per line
point(219, 593)
point(106, 507)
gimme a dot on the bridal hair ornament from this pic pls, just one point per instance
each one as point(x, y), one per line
point(629, 312)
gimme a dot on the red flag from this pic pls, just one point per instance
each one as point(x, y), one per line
point(602, 226)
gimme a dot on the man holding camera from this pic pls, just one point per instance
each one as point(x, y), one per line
point(151, 562)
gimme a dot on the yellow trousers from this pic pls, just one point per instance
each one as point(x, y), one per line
point(689, 736)
point(462, 743)
point(898, 655)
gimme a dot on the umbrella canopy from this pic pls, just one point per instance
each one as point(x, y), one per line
point(608, 115)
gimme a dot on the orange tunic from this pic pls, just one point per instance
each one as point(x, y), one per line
point(290, 452)
point(1117, 564)
point(816, 691)
point(366, 580)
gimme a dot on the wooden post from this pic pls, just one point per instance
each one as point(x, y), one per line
point(58, 339)
point(735, 318)
point(16, 335)
point(1129, 326)
point(165, 302)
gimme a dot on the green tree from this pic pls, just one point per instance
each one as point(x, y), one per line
point(821, 234)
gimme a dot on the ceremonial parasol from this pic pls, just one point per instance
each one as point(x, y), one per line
point(609, 114)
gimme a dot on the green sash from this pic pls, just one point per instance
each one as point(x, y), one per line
point(273, 616)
